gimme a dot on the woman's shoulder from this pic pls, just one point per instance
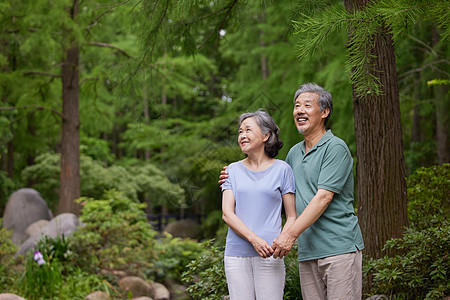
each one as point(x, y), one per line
point(283, 164)
point(233, 165)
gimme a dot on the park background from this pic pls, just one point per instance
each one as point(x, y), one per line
point(137, 101)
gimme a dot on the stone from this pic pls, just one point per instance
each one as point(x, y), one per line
point(8, 296)
point(62, 224)
point(143, 298)
point(36, 227)
point(136, 285)
point(24, 207)
point(160, 292)
point(97, 295)
point(184, 229)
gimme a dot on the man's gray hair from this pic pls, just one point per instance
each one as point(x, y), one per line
point(325, 100)
point(267, 126)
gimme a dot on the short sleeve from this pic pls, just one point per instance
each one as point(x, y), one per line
point(336, 168)
point(227, 184)
point(288, 185)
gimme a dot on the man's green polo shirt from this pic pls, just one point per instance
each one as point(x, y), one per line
point(328, 165)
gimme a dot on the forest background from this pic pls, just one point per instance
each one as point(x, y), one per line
point(143, 96)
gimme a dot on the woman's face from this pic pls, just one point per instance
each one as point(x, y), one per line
point(250, 137)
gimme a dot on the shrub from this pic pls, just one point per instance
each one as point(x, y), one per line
point(206, 274)
point(419, 268)
point(292, 290)
point(8, 272)
point(173, 256)
point(116, 236)
point(428, 196)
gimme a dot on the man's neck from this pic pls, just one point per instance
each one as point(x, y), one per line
point(312, 139)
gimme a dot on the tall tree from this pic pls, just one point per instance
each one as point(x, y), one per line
point(70, 188)
point(380, 171)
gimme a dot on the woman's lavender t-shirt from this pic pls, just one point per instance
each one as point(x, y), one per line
point(258, 203)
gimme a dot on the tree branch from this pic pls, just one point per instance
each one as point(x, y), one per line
point(229, 8)
point(36, 107)
point(26, 73)
point(106, 45)
point(94, 22)
point(87, 78)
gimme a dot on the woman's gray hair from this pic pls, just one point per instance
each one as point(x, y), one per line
point(266, 125)
point(325, 100)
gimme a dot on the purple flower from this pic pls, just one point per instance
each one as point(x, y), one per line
point(38, 257)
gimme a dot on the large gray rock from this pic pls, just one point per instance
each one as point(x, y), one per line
point(136, 285)
point(160, 292)
point(36, 227)
point(8, 296)
point(62, 224)
point(184, 229)
point(24, 207)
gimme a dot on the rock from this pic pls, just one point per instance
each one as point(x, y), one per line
point(378, 297)
point(143, 298)
point(36, 227)
point(177, 291)
point(25, 206)
point(8, 296)
point(160, 292)
point(97, 295)
point(184, 229)
point(137, 286)
point(62, 224)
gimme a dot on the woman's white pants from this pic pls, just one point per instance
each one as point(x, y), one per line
point(250, 278)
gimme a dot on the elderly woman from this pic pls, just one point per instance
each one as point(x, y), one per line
point(253, 195)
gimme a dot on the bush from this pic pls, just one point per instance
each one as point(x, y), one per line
point(428, 196)
point(173, 256)
point(206, 274)
point(292, 289)
point(419, 268)
point(116, 236)
point(8, 272)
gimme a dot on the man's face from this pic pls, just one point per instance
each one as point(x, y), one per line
point(307, 115)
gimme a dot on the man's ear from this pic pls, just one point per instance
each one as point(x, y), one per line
point(325, 113)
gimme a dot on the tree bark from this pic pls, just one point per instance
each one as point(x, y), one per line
point(380, 170)
point(70, 188)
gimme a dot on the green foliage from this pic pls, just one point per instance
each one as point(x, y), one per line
point(428, 195)
point(206, 274)
point(42, 281)
point(134, 180)
point(292, 289)
point(7, 187)
point(58, 278)
point(115, 236)
point(173, 256)
point(420, 268)
point(8, 272)
point(365, 24)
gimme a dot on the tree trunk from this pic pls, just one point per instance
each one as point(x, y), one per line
point(70, 188)
point(380, 170)
point(442, 118)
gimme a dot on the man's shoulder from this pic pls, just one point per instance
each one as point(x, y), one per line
point(335, 141)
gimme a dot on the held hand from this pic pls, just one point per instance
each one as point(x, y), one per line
point(262, 247)
point(223, 176)
point(282, 245)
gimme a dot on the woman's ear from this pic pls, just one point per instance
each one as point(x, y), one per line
point(266, 137)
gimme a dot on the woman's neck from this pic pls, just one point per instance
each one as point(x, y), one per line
point(258, 161)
